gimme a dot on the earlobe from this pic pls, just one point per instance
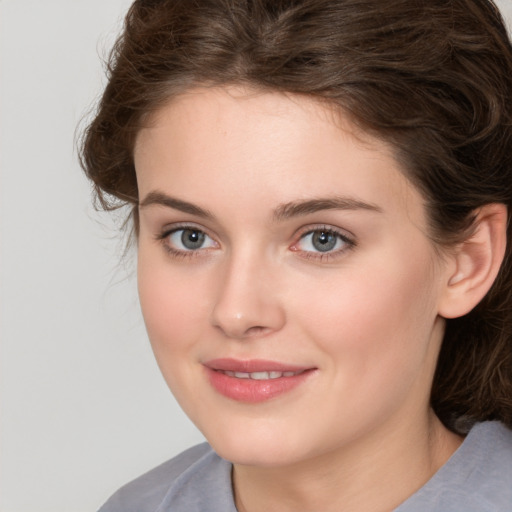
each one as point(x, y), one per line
point(475, 262)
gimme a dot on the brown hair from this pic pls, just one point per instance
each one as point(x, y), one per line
point(431, 77)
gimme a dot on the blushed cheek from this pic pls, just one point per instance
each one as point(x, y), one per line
point(169, 307)
point(370, 315)
point(379, 351)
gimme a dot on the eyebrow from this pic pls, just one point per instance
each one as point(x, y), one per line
point(300, 208)
point(161, 199)
point(282, 212)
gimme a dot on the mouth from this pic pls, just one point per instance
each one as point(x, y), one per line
point(255, 380)
point(260, 375)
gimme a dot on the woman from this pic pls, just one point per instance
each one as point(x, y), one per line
point(320, 194)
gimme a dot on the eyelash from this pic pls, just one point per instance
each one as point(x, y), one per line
point(177, 253)
point(348, 243)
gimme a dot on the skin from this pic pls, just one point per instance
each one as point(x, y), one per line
point(358, 434)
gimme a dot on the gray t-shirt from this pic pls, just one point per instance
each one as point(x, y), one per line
point(477, 478)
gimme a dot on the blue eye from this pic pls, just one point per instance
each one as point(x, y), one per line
point(323, 241)
point(189, 239)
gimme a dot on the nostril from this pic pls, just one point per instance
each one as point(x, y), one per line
point(255, 331)
point(243, 310)
point(241, 333)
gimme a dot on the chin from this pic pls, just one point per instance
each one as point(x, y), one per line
point(263, 447)
point(255, 455)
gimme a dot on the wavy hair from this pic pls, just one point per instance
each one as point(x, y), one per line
point(431, 77)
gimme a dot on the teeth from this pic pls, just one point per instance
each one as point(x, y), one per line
point(259, 375)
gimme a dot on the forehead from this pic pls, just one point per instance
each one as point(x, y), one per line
point(265, 144)
point(242, 109)
point(241, 106)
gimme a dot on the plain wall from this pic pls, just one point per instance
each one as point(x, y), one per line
point(83, 406)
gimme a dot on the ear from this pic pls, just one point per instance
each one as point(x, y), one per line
point(474, 264)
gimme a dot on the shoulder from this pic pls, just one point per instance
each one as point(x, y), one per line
point(194, 476)
point(477, 478)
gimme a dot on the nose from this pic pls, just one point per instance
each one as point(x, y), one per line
point(247, 304)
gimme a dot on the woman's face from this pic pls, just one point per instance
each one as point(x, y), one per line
point(286, 280)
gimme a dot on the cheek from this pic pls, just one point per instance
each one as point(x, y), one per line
point(374, 313)
point(171, 305)
point(174, 309)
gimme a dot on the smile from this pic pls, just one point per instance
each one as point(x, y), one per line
point(260, 375)
point(254, 381)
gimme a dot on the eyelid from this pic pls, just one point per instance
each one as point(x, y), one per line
point(348, 239)
point(343, 233)
point(168, 230)
point(176, 226)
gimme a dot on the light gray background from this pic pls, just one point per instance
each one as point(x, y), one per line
point(83, 407)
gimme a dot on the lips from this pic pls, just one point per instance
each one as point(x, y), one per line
point(255, 380)
point(259, 375)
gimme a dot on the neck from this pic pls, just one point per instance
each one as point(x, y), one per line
point(375, 474)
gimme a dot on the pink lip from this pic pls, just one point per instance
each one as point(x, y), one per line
point(251, 390)
point(253, 365)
